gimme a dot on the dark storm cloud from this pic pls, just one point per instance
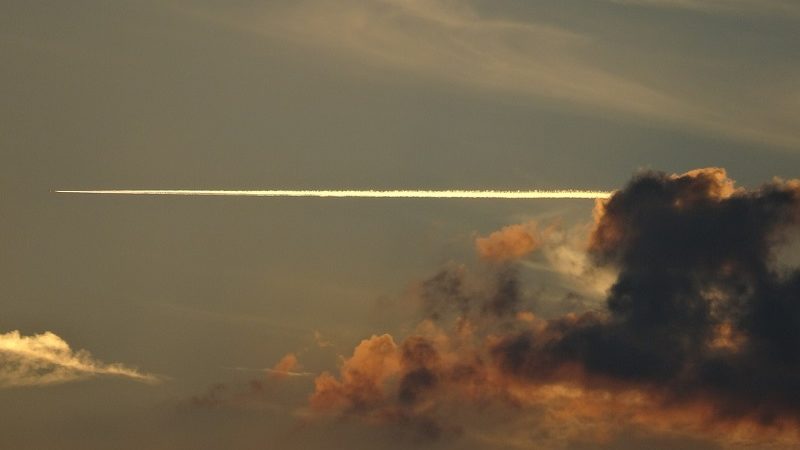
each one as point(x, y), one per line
point(698, 310)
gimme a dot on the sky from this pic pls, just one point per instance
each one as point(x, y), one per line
point(663, 317)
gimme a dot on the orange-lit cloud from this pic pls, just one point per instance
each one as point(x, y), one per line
point(288, 366)
point(362, 377)
point(508, 244)
point(697, 336)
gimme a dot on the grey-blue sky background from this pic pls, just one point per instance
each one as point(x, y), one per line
point(313, 94)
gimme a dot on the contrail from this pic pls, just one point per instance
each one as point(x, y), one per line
point(541, 194)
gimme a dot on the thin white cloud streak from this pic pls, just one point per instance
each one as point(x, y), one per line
point(537, 194)
point(288, 373)
point(45, 359)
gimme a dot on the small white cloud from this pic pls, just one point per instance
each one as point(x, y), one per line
point(565, 251)
point(46, 358)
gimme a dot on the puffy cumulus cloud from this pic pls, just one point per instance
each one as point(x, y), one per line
point(288, 366)
point(45, 359)
point(508, 244)
point(362, 377)
point(407, 383)
point(699, 333)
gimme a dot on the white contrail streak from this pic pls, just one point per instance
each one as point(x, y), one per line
point(555, 194)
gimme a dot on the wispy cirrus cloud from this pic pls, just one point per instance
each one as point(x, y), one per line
point(46, 359)
point(723, 6)
point(452, 41)
point(564, 65)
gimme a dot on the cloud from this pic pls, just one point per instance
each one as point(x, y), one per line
point(698, 335)
point(266, 391)
point(564, 65)
point(384, 382)
point(508, 244)
point(697, 312)
point(45, 359)
point(723, 6)
point(455, 290)
point(566, 252)
point(453, 41)
point(361, 377)
point(288, 366)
